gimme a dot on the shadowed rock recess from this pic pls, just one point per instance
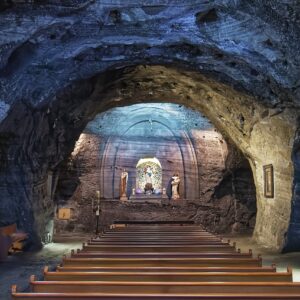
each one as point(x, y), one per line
point(63, 62)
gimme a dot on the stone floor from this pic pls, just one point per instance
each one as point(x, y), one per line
point(282, 261)
point(18, 268)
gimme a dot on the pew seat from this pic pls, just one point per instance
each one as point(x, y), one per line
point(164, 262)
point(158, 242)
point(102, 254)
point(115, 296)
point(126, 287)
point(170, 277)
point(177, 269)
point(162, 248)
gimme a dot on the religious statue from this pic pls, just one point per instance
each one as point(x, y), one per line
point(123, 185)
point(175, 186)
point(148, 175)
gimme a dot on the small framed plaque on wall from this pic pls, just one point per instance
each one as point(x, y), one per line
point(268, 181)
point(64, 213)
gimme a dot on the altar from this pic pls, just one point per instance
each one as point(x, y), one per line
point(148, 177)
point(147, 185)
point(158, 199)
point(154, 199)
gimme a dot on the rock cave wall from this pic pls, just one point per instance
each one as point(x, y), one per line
point(62, 63)
point(225, 205)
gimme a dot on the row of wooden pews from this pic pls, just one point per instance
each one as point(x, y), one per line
point(161, 262)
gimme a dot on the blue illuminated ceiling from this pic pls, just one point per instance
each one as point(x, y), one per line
point(148, 120)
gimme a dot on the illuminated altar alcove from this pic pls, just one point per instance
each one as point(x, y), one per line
point(148, 176)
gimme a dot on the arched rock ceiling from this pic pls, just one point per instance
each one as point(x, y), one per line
point(251, 45)
point(235, 114)
point(62, 120)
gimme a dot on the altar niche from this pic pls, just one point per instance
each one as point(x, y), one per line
point(148, 176)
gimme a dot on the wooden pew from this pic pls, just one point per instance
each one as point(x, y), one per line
point(160, 232)
point(116, 296)
point(155, 248)
point(150, 233)
point(157, 238)
point(160, 242)
point(163, 262)
point(127, 287)
point(141, 234)
point(170, 277)
point(153, 235)
point(82, 254)
point(157, 229)
point(177, 269)
point(154, 231)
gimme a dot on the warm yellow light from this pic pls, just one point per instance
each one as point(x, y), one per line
point(148, 160)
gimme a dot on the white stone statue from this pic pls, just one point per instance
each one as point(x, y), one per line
point(148, 174)
point(175, 186)
point(123, 185)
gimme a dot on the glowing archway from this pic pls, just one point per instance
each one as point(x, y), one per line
point(148, 171)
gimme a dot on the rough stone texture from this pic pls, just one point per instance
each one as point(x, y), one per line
point(248, 42)
point(292, 241)
point(63, 62)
